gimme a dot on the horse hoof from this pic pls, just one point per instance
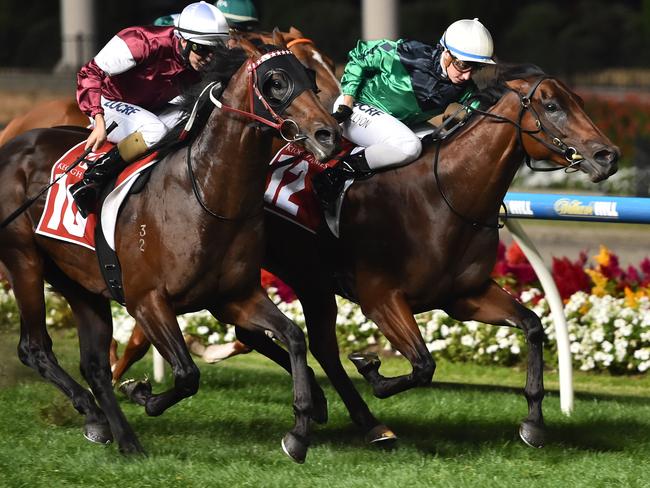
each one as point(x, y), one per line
point(137, 391)
point(532, 435)
point(381, 435)
point(365, 362)
point(98, 433)
point(295, 446)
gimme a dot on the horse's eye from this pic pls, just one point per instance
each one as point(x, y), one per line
point(550, 107)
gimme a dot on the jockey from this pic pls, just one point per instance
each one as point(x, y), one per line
point(133, 79)
point(388, 86)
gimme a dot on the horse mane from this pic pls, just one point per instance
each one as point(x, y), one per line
point(492, 81)
point(226, 62)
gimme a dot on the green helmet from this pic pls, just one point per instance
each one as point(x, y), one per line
point(166, 20)
point(240, 14)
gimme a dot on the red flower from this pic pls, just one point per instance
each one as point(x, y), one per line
point(570, 277)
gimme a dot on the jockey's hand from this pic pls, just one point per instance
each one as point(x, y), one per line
point(342, 113)
point(98, 136)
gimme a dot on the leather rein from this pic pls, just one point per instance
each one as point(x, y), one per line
point(558, 146)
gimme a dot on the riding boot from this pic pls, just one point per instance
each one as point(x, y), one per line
point(329, 183)
point(86, 192)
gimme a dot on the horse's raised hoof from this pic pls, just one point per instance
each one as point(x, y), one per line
point(365, 361)
point(532, 435)
point(380, 435)
point(98, 433)
point(295, 446)
point(137, 391)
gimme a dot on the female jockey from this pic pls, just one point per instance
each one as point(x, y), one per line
point(388, 86)
point(132, 81)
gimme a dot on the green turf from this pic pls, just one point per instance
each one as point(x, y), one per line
point(460, 432)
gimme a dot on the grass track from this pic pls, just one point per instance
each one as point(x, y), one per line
point(460, 432)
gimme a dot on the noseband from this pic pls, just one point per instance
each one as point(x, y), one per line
point(570, 153)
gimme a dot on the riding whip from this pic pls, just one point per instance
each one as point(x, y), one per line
point(31, 200)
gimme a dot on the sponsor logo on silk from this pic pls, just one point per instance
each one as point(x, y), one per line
point(121, 107)
point(565, 206)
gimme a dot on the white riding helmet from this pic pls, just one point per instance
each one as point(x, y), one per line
point(469, 40)
point(202, 23)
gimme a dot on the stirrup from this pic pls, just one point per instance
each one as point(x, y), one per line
point(85, 194)
point(329, 185)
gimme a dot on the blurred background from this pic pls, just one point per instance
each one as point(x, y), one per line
point(600, 48)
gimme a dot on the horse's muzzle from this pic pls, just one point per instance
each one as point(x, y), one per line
point(603, 163)
point(325, 141)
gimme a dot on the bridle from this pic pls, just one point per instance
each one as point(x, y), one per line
point(254, 95)
point(570, 153)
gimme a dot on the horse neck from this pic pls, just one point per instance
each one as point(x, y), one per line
point(477, 167)
point(230, 155)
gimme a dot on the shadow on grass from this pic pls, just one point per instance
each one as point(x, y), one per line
point(451, 386)
point(447, 434)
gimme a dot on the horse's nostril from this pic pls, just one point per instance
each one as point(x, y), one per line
point(324, 136)
point(606, 156)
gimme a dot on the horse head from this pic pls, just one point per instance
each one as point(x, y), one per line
point(553, 126)
point(283, 95)
point(318, 64)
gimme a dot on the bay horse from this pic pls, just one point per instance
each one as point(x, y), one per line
point(425, 236)
point(192, 239)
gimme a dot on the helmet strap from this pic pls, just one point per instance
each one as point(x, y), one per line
point(446, 61)
point(185, 51)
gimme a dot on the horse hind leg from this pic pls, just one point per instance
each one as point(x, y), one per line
point(35, 344)
point(94, 322)
point(135, 350)
point(394, 317)
point(496, 306)
point(258, 313)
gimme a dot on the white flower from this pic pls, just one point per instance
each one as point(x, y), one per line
point(214, 338)
point(467, 341)
point(202, 329)
point(437, 345)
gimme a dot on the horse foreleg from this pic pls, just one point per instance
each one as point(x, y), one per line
point(258, 313)
point(496, 306)
point(35, 345)
point(158, 320)
point(135, 350)
point(320, 310)
point(266, 346)
point(394, 317)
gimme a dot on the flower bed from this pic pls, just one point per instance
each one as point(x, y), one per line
point(607, 310)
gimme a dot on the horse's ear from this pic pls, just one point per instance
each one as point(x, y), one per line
point(248, 47)
point(278, 38)
point(295, 32)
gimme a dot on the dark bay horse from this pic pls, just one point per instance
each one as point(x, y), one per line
point(192, 239)
point(425, 237)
